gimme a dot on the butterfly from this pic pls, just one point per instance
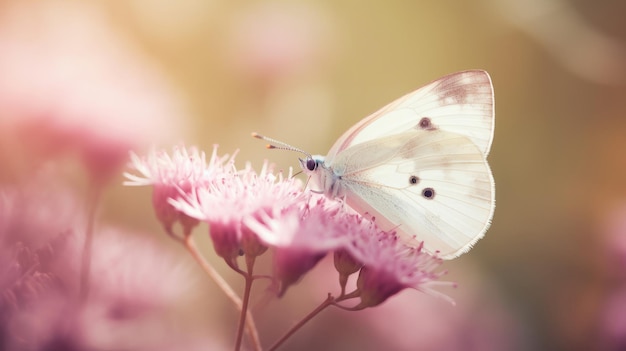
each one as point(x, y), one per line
point(418, 166)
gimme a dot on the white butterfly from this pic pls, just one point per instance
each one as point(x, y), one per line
point(418, 165)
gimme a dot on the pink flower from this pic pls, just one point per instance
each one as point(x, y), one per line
point(175, 176)
point(227, 204)
point(69, 85)
point(389, 266)
point(136, 285)
point(481, 320)
point(38, 210)
point(23, 277)
point(51, 322)
point(301, 236)
point(133, 275)
point(34, 221)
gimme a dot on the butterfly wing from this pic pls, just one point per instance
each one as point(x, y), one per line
point(428, 185)
point(461, 103)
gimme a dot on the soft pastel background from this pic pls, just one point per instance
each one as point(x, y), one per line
point(549, 275)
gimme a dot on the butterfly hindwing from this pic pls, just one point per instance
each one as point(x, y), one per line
point(428, 185)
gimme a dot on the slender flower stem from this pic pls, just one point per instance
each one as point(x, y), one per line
point(223, 285)
point(328, 302)
point(175, 236)
point(85, 265)
point(246, 300)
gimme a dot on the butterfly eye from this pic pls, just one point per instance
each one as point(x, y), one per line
point(428, 193)
point(413, 180)
point(311, 165)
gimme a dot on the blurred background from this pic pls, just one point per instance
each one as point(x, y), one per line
point(550, 273)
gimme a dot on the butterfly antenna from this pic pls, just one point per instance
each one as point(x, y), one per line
point(279, 145)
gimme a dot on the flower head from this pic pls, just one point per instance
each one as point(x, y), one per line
point(301, 236)
point(176, 176)
point(227, 204)
point(389, 267)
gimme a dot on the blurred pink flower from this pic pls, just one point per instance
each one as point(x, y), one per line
point(38, 219)
point(55, 322)
point(132, 274)
point(175, 176)
point(480, 321)
point(23, 278)
point(34, 225)
point(38, 210)
point(51, 322)
point(68, 84)
point(136, 285)
point(135, 282)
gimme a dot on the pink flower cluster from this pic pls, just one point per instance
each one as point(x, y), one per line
point(41, 237)
point(249, 212)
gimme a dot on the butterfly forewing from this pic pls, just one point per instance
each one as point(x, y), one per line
point(460, 102)
point(428, 185)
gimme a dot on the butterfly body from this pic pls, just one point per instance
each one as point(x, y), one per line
point(418, 166)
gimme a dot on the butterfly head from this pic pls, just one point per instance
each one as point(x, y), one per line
point(318, 174)
point(311, 164)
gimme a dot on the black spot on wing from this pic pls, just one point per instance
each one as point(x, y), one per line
point(428, 193)
point(426, 123)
